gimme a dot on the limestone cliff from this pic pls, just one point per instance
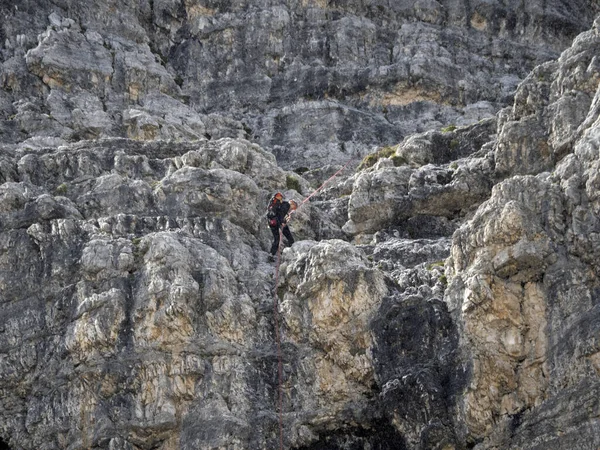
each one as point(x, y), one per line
point(313, 81)
point(442, 294)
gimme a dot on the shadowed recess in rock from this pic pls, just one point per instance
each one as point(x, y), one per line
point(382, 436)
point(414, 356)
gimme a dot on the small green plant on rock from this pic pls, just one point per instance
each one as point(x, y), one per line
point(399, 160)
point(139, 250)
point(436, 264)
point(61, 189)
point(291, 182)
point(368, 161)
point(384, 152)
point(449, 128)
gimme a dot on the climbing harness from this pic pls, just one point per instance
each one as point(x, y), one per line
point(276, 306)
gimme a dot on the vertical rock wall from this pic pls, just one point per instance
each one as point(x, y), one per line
point(525, 289)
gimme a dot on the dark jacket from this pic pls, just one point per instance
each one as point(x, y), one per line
point(276, 213)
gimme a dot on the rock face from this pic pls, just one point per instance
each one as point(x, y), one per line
point(133, 283)
point(526, 286)
point(444, 295)
point(418, 190)
point(313, 81)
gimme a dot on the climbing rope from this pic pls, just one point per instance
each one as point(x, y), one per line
point(276, 310)
point(277, 338)
point(326, 181)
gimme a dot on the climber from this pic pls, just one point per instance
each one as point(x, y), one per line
point(279, 213)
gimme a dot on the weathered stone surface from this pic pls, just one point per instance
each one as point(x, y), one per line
point(417, 388)
point(156, 298)
point(385, 195)
point(524, 294)
point(297, 77)
point(436, 147)
point(549, 110)
point(134, 282)
point(445, 297)
point(330, 296)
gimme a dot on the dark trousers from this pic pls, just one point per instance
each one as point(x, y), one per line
point(286, 232)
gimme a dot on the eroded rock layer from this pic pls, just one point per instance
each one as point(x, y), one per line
point(314, 81)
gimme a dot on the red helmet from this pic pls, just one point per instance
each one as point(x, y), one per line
point(293, 205)
point(278, 196)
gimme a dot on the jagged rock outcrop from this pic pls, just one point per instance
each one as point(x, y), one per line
point(143, 314)
point(330, 295)
point(521, 265)
point(409, 189)
point(143, 278)
point(525, 269)
point(551, 111)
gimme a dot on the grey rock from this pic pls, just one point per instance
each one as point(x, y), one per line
point(421, 376)
point(118, 291)
point(52, 60)
point(293, 77)
point(331, 294)
point(139, 305)
point(387, 196)
point(446, 146)
point(138, 272)
point(550, 106)
point(524, 289)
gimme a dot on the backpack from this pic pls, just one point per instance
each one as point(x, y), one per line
point(272, 213)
